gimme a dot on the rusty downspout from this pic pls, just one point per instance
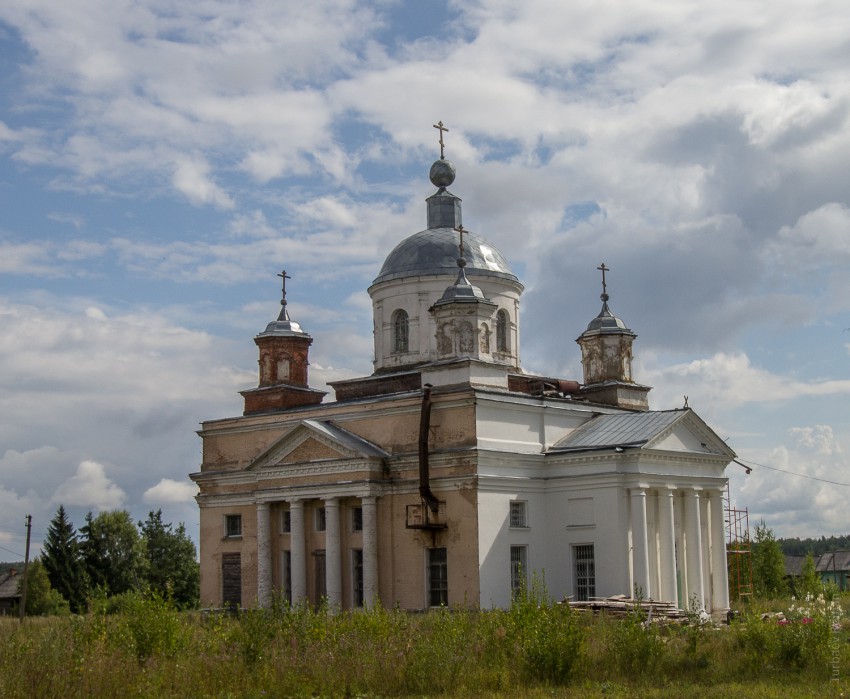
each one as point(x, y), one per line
point(424, 474)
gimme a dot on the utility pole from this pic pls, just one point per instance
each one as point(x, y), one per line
point(26, 566)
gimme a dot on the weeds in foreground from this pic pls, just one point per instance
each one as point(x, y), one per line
point(142, 646)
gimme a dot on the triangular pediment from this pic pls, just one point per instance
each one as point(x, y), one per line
point(672, 430)
point(314, 440)
point(689, 434)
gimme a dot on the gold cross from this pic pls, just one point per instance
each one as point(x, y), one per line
point(439, 125)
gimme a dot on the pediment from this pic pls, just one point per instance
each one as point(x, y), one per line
point(313, 441)
point(691, 435)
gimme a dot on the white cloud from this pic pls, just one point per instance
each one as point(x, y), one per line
point(191, 177)
point(90, 487)
point(170, 491)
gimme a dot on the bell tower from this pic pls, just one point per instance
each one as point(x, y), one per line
point(606, 357)
point(283, 362)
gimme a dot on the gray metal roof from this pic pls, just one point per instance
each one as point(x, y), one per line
point(627, 429)
point(833, 560)
point(435, 251)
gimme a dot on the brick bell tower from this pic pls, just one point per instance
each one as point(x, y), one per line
point(283, 361)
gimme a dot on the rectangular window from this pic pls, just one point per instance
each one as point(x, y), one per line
point(285, 522)
point(233, 525)
point(519, 514)
point(231, 579)
point(357, 519)
point(320, 519)
point(286, 574)
point(584, 572)
point(356, 577)
point(320, 587)
point(438, 584)
point(519, 569)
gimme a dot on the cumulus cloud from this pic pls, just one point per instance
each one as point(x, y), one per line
point(170, 491)
point(90, 487)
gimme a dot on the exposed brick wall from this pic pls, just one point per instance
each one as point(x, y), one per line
point(377, 386)
point(278, 398)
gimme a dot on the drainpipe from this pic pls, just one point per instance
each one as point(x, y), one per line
point(424, 475)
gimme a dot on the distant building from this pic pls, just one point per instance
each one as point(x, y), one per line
point(449, 475)
point(10, 596)
point(834, 567)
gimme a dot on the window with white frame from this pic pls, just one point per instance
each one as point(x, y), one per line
point(584, 572)
point(519, 569)
point(233, 526)
point(438, 583)
point(519, 514)
point(320, 519)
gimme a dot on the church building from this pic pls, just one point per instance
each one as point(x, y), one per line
point(449, 475)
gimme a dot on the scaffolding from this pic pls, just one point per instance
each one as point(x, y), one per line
point(738, 551)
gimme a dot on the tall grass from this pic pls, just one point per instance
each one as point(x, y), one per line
point(141, 646)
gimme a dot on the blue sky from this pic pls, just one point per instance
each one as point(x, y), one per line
point(161, 161)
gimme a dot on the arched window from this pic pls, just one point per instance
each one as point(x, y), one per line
point(502, 331)
point(401, 332)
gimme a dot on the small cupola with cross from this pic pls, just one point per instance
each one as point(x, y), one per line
point(606, 357)
point(283, 362)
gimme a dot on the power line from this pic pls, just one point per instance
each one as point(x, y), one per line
point(799, 475)
point(19, 555)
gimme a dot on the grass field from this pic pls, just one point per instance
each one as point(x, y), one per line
point(141, 647)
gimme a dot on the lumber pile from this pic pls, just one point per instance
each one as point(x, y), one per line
point(621, 606)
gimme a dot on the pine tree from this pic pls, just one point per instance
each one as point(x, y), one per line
point(173, 570)
point(61, 557)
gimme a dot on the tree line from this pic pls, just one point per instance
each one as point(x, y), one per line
point(816, 546)
point(111, 555)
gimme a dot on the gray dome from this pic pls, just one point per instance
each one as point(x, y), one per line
point(435, 251)
point(607, 322)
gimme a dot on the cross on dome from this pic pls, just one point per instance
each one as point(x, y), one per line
point(439, 125)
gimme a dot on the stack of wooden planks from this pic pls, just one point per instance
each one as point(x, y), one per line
point(621, 605)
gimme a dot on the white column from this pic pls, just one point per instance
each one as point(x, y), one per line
point(333, 555)
point(264, 556)
point(719, 573)
point(297, 555)
point(668, 590)
point(693, 546)
point(370, 550)
point(640, 546)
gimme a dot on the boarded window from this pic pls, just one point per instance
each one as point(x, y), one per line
point(285, 522)
point(356, 577)
point(584, 572)
point(438, 582)
point(231, 579)
point(357, 519)
point(320, 519)
point(320, 585)
point(286, 574)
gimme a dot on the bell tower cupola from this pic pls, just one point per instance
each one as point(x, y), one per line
point(606, 357)
point(283, 362)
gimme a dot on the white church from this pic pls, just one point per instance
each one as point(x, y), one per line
point(448, 476)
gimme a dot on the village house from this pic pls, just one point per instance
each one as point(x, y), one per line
point(449, 475)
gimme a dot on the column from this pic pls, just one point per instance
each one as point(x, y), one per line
point(640, 546)
point(297, 555)
point(693, 546)
point(667, 535)
point(333, 555)
point(370, 550)
point(264, 556)
point(719, 574)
